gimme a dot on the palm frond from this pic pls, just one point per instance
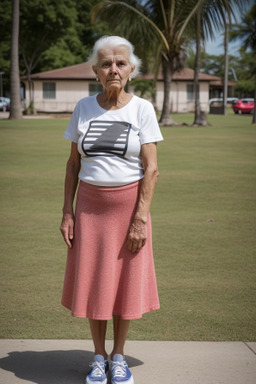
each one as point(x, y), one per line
point(164, 15)
point(246, 30)
point(126, 17)
point(195, 5)
point(216, 13)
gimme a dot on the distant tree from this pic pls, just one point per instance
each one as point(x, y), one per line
point(214, 64)
point(5, 46)
point(190, 57)
point(42, 23)
point(245, 85)
point(246, 31)
point(74, 45)
point(15, 112)
point(211, 16)
point(145, 88)
point(239, 69)
point(50, 36)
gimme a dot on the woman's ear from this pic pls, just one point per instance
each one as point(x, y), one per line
point(95, 71)
point(132, 70)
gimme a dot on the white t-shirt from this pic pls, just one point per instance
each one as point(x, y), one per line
point(110, 141)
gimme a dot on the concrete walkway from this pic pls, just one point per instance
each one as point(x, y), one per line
point(164, 362)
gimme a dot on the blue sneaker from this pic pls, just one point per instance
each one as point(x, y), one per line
point(121, 374)
point(98, 374)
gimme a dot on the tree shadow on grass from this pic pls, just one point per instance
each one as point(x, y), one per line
point(52, 367)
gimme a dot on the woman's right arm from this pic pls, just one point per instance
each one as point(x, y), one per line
point(71, 181)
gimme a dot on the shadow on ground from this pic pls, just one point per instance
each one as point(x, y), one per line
point(52, 367)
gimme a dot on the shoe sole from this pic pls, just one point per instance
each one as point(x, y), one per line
point(130, 381)
point(88, 381)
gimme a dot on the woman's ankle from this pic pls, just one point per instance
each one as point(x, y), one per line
point(102, 353)
point(117, 352)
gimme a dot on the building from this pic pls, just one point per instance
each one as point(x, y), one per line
point(58, 90)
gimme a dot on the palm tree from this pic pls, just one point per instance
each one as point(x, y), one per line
point(246, 31)
point(158, 26)
point(15, 112)
point(200, 117)
point(210, 17)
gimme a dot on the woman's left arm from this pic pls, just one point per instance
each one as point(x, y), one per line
point(138, 233)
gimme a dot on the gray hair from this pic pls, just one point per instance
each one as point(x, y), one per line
point(112, 42)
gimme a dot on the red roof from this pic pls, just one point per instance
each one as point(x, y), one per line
point(81, 71)
point(84, 71)
point(184, 75)
point(220, 83)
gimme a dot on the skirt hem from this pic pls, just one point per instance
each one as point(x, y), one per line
point(97, 317)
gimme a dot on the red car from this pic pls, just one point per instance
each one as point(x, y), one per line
point(243, 105)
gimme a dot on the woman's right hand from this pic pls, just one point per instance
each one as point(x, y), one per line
point(67, 228)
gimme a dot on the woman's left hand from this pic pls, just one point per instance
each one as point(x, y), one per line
point(137, 236)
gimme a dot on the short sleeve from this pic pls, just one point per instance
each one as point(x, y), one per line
point(149, 130)
point(71, 132)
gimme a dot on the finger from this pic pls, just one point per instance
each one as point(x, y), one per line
point(132, 245)
point(129, 245)
point(70, 233)
point(139, 245)
point(136, 246)
point(68, 242)
point(70, 237)
point(67, 235)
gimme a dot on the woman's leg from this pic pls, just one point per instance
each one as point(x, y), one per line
point(98, 331)
point(121, 328)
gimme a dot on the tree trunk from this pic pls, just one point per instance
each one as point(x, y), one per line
point(200, 116)
point(166, 118)
point(15, 110)
point(30, 106)
point(254, 111)
point(30, 90)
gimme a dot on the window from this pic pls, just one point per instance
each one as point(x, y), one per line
point(190, 92)
point(95, 88)
point(49, 90)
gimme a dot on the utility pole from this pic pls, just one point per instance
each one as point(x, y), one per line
point(225, 93)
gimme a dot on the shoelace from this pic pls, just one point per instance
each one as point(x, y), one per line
point(119, 368)
point(98, 369)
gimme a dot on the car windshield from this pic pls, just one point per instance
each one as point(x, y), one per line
point(246, 101)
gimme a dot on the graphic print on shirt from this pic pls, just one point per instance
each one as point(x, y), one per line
point(107, 138)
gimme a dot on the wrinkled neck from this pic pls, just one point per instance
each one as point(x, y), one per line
point(113, 100)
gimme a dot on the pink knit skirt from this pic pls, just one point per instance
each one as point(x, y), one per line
point(103, 278)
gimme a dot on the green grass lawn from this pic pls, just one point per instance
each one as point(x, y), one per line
point(204, 229)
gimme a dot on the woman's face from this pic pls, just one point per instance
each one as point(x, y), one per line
point(113, 68)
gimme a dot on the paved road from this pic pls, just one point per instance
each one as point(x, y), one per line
point(152, 362)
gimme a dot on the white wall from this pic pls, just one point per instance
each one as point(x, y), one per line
point(67, 95)
point(178, 97)
point(69, 92)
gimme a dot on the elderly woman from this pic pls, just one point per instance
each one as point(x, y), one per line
point(110, 268)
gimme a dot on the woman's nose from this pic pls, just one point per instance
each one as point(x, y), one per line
point(113, 68)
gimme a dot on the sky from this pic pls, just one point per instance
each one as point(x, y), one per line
point(216, 47)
